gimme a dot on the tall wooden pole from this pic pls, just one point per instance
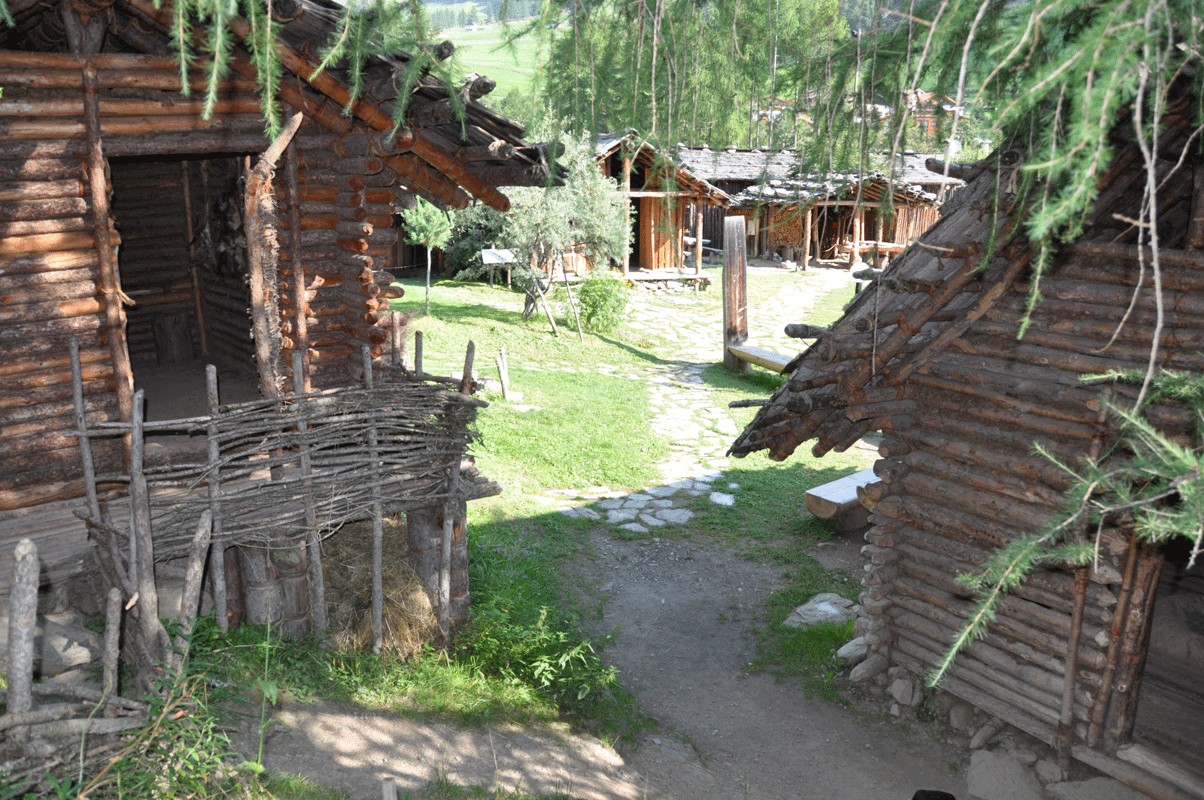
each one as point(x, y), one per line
point(735, 292)
point(110, 287)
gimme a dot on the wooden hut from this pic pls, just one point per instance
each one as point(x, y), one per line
point(664, 197)
point(732, 170)
point(838, 216)
point(138, 225)
point(1102, 662)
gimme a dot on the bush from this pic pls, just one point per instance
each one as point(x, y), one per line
point(602, 299)
point(548, 654)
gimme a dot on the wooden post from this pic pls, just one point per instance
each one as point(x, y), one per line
point(807, 238)
point(110, 286)
point(22, 620)
point(190, 599)
point(186, 187)
point(697, 241)
point(317, 579)
point(217, 552)
point(378, 529)
point(81, 427)
point(264, 288)
point(297, 262)
point(142, 562)
point(418, 353)
point(626, 208)
point(112, 642)
point(735, 292)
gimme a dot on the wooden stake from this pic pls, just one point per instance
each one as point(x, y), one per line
point(503, 370)
point(142, 549)
point(110, 286)
point(112, 643)
point(81, 426)
point(22, 620)
point(217, 553)
point(378, 530)
point(317, 579)
point(191, 597)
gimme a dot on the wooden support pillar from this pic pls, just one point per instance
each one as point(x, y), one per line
point(807, 227)
point(110, 287)
point(697, 240)
point(735, 292)
point(627, 209)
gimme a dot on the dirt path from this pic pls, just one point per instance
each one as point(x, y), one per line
point(682, 608)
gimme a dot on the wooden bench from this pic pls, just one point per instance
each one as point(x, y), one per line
point(700, 281)
point(760, 356)
point(839, 497)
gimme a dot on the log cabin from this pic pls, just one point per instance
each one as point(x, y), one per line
point(839, 216)
point(1105, 663)
point(139, 224)
point(733, 170)
point(667, 203)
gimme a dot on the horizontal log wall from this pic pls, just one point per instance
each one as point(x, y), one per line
point(347, 240)
point(49, 264)
point(964, 480)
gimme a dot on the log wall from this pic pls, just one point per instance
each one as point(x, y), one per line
point(962, 478)
point(156, 143)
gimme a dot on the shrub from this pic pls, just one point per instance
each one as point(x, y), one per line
point(602, 299)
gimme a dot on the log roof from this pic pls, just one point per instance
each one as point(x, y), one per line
point(448, 158)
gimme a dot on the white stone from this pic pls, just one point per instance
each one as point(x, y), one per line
point(854, 651)
point(676, 516)
point(723, 499)
point(615, 516)
point(634, 527)
point(651, 521)
point(581, 512)
point(997, 776)
point(823, 607)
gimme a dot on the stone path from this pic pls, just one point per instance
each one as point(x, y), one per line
point(684, 411)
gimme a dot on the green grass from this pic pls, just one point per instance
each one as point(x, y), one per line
point(486, 51)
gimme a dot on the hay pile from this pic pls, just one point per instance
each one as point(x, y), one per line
point(409, 619)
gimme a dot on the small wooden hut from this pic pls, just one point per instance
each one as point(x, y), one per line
point(732, 170)
point(839, 216)
point(1102, 662)
point(135, 223)
point(664, 196)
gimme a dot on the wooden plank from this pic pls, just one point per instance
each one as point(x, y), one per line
point(759, 356)
point(839, 496)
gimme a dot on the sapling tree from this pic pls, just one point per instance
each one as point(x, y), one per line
point(430, 227)
point(586, 216)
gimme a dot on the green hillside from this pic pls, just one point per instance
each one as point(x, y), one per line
point(484, 50)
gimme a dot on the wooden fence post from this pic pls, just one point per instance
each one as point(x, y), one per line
point(735, 292)
point(22, 620)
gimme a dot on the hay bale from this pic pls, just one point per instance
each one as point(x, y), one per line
point(409, 619)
